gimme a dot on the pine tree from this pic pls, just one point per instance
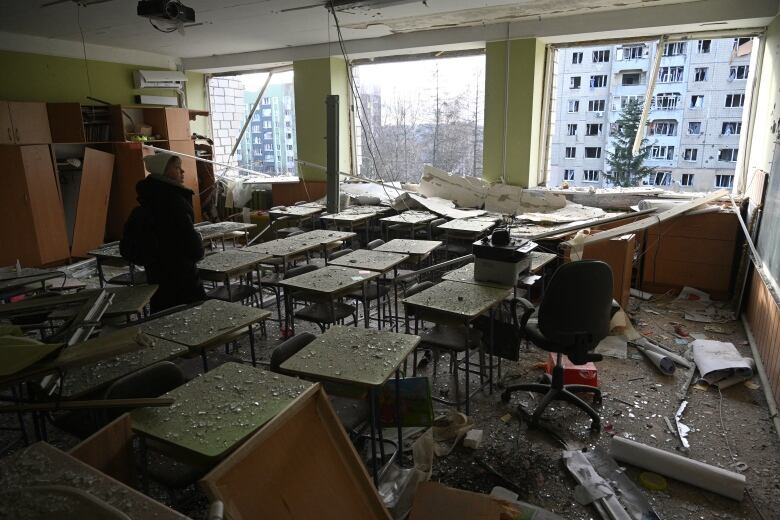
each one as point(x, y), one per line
point(627, 169)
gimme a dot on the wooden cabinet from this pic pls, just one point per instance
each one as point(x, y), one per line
point(24, 123)
point(32, 221)
point(128, 170)
point(171, 124)
point(619, 254)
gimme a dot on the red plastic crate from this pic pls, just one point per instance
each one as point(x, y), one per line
point(586, 374)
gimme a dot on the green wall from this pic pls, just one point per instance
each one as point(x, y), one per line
point(314, 80)
point(519, 96)
point(36, 77)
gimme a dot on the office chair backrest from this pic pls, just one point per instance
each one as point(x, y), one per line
point(577, 302)
point(301, 269)
point(436, 223)
point(339, 254)
point(152, 381)
point(375, 243)
point(287, 348)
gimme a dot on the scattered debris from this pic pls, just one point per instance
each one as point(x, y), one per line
point(473, 439)
point(694, 472)
point(720, 361)
point(682, 429)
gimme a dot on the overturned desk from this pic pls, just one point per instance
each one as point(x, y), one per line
point(215, 412)
point(354, 356)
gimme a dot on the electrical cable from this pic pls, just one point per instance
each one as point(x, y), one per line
point(365, 124)
point(166, 31)
point(83, 48)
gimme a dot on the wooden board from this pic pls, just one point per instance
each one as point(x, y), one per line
point(30, 122)
point(92, 207)
point(762, 315)
point(110, 450)
point(190, 172)
point(6, 127)
point(693, 250)
point(177, 124)
point(287, 194)
point(17, 230)
point(300, 465)
point(65, 122)
point(43, 195)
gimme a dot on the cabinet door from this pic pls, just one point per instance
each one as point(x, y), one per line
point(92, 207)
point(30, 123)
point(48, 215)
point(190, 172)
point(6, 128)
point(177, 122)
point(17, 231)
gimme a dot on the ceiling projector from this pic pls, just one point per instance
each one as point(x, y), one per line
point(166, 10)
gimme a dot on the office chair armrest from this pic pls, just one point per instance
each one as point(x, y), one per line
point(528, 311)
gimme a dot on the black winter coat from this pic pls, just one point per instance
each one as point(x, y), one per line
point(180, 246)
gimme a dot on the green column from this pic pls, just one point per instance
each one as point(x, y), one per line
point(315, 79)
point(513, 86)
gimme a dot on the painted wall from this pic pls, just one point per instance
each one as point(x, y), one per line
point(762, 313)
point(37, 77)
point(314, 80)
point(513, 87)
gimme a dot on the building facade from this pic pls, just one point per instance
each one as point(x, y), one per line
point(695, 120)
point(269, 144)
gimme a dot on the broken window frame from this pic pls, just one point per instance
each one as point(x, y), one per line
point(690, 154)
point(697, 101)
point(729, 154)
point(568, 174)
point(597, 105)
point(576, 58)
point(601, 56)
point(599, 129)
point(704, 47)
point(591, 175)
point(739, 72)
point(736, 125)
point(571, 129)
point(573, 150)
point(595, 150)
point(686, 179)
point(662, 152)
point(575, 82)
point(732, 98)
point(700, 74)
point(598, 80)
point(724, 180)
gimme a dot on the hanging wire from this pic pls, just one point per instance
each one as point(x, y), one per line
point(83, 47)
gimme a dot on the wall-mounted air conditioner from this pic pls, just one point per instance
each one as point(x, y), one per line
point(159, 79)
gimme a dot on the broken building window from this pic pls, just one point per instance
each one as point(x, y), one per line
point(659, 179)
point(663, 128)
point(631, 78)
point(666, 101)
point(694, 127)
point(593, 128)
point(704, 46)
point(574, 105)
point(738, 72)
point(632, 52)
point(591, 175)
point(593, 152)
point(674, 49)
point(571, 152)
point(568, 174)
point(700, 74)
point(735, 100)
point(576, 58)
point(574, 82)
point(731, 128)
point(697, 101)
point(596, 105)
point(600, 56)
point(724, 181)
point(686, 179)
point(690, 154)
point(598, 81)
point(670, 74)
point(728, 154)
point(571, 129)
point(662, 152)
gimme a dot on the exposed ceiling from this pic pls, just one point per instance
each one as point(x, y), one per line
point(235, 26)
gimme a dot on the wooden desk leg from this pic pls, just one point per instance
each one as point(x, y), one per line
point(400, 447)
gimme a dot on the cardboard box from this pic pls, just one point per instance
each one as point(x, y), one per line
point(586, 374)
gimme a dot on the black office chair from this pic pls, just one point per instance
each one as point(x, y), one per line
point(375, 243)
point(572, 319)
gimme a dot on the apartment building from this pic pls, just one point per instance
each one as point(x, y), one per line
point(695, 121)
point(269, 144)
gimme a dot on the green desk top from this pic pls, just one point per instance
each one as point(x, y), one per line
point(110, 250)
point(371, 260)
point(221, 229)
point(87, 378)
point(283, 247)
point(42, 464)
point(231, 261)
point(467, 226)
point(330, 279)
point(409, 247)
point(296, 211)
point(325, 236)
point(465, 274)
point(205, 324)
point(16, 282)
point(213, 413)
point(366, 357)
point(465, 300)
point(129, 299)
point(410, 217)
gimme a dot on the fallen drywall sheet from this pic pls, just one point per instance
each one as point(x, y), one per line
point(651, 221)
point(606, 198)
point(711, 478)
point(513, 200)
point(465, 192)
point(570, 213)
point(386, 194)
point(436, 205)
